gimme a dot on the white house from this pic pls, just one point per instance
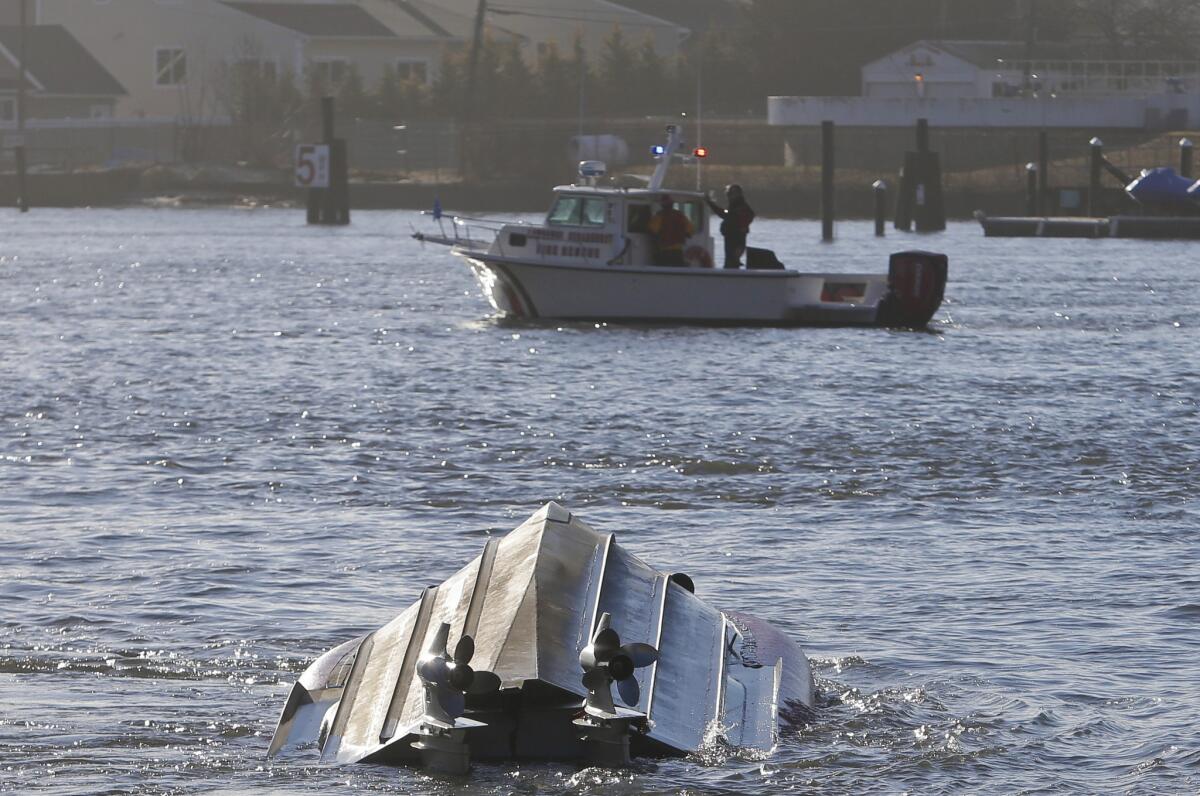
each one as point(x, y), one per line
point(170, 54)
point(62, 80)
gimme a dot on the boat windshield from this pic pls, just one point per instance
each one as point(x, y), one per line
point(578, 211)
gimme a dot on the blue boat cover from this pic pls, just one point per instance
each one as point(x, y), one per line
point(1162, 186)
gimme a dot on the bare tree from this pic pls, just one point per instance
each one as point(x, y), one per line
point(1152, 29)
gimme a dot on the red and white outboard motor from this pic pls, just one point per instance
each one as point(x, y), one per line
point(916, 286)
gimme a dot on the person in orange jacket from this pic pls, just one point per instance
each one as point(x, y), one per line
point(735, 224)
point(671, 229)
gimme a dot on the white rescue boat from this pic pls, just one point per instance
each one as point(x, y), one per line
point(592, 259)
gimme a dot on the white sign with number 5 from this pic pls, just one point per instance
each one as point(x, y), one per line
point(312, 166)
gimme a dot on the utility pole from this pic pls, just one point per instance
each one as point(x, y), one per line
point(473, 62)
point(1030, 41)
point(468, 111)
point(19, 149)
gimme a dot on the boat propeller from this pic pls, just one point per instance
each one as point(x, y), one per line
point(605, 661)
point(449, 678)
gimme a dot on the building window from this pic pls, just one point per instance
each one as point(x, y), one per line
point(170, 66)
point(8, 110)
point(332, 72)
point(101, 111)
point(416, 71)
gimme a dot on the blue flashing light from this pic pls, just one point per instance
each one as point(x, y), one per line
point(658, 150)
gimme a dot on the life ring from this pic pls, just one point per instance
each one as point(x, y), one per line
point(698, 255)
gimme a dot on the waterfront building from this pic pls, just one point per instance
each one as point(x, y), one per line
point(62, 80)
point(1008, 84)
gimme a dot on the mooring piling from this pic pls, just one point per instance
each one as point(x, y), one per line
point(22, 77)
point(1043, 171)
point(1031, 190)
point(921, 202)
point(330, 204)
point(827, 153)
point(1095, 166)
point(879, 187)
point(1185, 157)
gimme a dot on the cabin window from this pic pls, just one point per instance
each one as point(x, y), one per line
point(566, 210)
point(637, 219)
point(595, 212)
point(692, 211)
point(578, 211)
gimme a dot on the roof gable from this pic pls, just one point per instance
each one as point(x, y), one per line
point(57, 63)
point(333, 20)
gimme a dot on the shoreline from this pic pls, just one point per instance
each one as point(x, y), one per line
point(128, 188)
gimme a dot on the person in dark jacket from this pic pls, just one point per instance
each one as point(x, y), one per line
point(735, 224)
point(671, 229)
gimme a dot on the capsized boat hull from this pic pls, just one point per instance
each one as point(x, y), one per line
point(907, 296)
point(538, 604)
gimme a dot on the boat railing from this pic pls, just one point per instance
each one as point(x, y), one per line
point(468, 232)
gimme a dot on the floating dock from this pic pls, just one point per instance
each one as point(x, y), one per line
point(1144, 227)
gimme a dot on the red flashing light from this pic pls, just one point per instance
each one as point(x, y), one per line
point(700, 152)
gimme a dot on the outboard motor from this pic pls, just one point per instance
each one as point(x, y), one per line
point(916, 285)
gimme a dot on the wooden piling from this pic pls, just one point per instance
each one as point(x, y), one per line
point(19, 149)
point(1185, 157)
point(1095, 166)
point(331, 205)
point(1032, 203)
point(1043, 171)
point(920, 201)
point(880, 189)
point(827, 153)
point(904, 199)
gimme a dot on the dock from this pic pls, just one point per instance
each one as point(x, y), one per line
point(1140, 227)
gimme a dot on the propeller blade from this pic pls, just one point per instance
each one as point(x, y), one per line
point(437, 644)
point(461, 676)
point(630, 691)
point(603, 623)
point(605, 644)
point(640, 654)
point(435, 670)
point(464, 650)
point(453, 702)
point(484, 683)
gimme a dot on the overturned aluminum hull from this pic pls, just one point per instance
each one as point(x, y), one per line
point(539, 669)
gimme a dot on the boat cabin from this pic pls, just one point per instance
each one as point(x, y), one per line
point(592, 225)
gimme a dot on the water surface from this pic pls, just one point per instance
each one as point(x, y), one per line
point(229, 442)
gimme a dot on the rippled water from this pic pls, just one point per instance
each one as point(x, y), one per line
point(229, 442)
